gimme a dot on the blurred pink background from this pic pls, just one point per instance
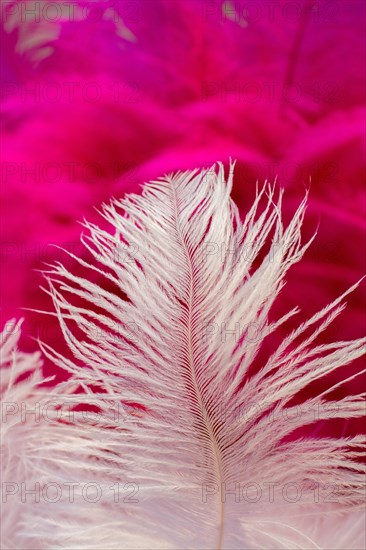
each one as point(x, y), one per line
point(98, 97)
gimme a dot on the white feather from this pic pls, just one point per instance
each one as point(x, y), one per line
point(21, 376)
point(199, 438)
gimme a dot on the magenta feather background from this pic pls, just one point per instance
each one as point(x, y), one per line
point(163, 73)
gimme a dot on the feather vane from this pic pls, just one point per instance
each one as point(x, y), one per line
point(203, 452)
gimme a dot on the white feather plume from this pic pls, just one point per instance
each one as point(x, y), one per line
point(189, 448)
point(21, 378)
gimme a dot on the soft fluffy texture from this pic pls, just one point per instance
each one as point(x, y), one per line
point(193, 436)
point(21, 378)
